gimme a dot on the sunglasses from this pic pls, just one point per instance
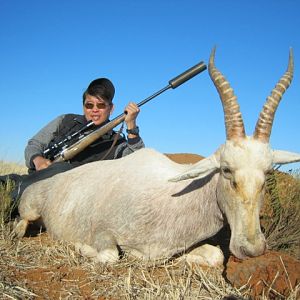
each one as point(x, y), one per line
point(90, 105)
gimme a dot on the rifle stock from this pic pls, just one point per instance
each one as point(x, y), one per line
point(81, 144)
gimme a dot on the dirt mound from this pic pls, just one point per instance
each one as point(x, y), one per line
point(269, 274)
point(184, 158)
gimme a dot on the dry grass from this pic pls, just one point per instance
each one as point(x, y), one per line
point(54, 270)
point(6, 205)
point(281, 213)
point(10, 167)
point(40, 268)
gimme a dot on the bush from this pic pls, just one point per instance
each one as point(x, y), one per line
point(7, 207)
point(280, 217)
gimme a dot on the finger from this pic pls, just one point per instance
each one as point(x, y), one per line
point(131, 109)
point(46, 164)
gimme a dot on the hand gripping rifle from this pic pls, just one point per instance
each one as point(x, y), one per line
point(72, 150)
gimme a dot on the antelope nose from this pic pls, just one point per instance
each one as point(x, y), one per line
point(252, 250)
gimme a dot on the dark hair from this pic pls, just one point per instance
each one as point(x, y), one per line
point(100, 88)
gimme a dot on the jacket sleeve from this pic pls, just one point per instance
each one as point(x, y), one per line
point(40, 141)
point(129, 147)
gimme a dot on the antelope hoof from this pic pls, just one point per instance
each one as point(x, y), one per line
point(206, 255)
point(20, 229)
point(108, 256)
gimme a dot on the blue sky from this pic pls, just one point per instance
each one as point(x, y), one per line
point(51, 50)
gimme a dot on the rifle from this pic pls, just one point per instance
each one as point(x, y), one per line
point(65, 152)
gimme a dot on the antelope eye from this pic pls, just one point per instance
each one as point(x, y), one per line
point(226, 171)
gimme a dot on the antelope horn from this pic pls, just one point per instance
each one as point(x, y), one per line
point(233, 118)
point(265, 121)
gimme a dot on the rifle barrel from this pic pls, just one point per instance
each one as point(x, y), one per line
point(174, 83)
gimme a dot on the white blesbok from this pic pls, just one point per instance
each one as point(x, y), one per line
point(155, 208)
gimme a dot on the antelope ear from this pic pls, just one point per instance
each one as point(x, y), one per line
point(199, 170)
point(285, 157)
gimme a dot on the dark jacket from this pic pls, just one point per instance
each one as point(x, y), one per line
point(64, 126)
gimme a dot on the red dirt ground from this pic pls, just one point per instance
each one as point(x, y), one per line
point(273, 270)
